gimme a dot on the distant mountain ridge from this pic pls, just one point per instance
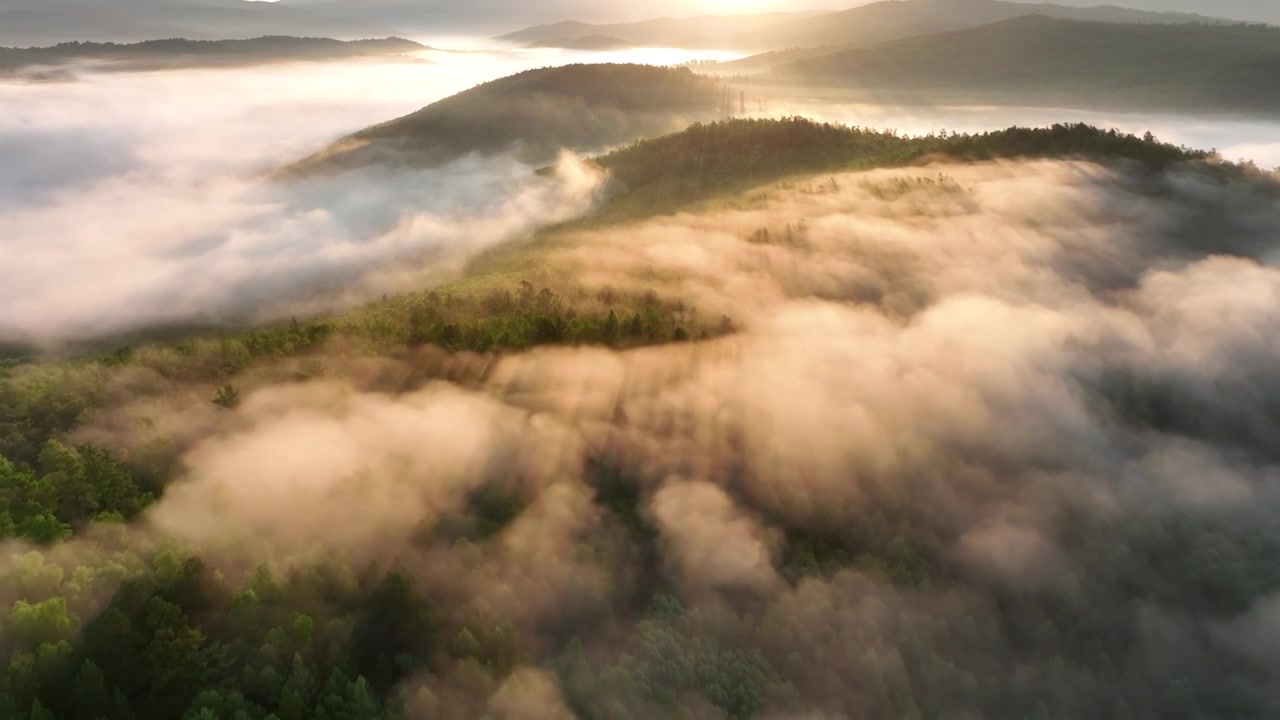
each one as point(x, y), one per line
point(181, 53)
point(699, 31)
point(1038, 60)
point(1264, 11)
point(892, 19)
point(863, 25)
point(29, 23)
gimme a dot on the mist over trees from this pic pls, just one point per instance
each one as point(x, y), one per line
point(589, 394)
point(804, 421)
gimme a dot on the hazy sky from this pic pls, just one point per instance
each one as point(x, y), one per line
point(518, 11)
point(568, 9)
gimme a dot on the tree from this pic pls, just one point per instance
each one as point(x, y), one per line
point(228, 397)
point(44, 529)
point(70, 494)
point(89, 698)
point(610, 330)
point(38, 712)
point(392, 622)
point(175, 663)
point(46, 622)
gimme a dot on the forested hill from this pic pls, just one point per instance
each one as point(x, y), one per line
point(538, 112)
point(675, 171)
point(1035, 60)
point(183, 53)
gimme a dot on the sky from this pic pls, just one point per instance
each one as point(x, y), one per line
point(1261, 10)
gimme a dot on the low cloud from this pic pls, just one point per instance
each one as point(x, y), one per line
point(131, 220)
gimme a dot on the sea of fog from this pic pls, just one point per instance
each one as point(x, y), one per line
point(133, 199)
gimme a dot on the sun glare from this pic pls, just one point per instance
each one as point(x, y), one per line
point(725, 7)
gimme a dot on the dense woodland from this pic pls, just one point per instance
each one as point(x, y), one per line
point(730, 156)
point(101, 624)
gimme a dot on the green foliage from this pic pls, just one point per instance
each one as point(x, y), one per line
point(669, 658)
point(42, 402)
point(228, 397)
point(391, 633)
point(500, 319)
point(34, 625)
point(69, 486)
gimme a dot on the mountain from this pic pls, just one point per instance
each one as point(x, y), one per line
point(702, 31)
point(864, 25)
point(1040, 60)
point(892, 19)
point(537, 112)
point(1267, 11)
point(179, 53)
point(39, 22)
point(450, 16)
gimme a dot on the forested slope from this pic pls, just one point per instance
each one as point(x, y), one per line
point(537, 113)
point(725, 157)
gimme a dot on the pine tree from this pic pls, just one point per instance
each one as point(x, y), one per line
point(89, 698)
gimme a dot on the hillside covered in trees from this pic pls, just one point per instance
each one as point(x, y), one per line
point(536, 113)
point(1040, 60)
point(709, 160)
point(808, 421)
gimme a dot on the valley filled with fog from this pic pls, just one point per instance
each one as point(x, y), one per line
point(146, 192)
